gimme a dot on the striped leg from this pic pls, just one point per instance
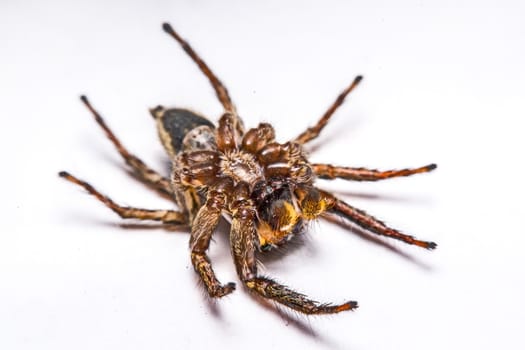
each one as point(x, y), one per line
point(165, 216)
point(370, 223)
point(314, 131)
point(144, 173)
point(327, 171)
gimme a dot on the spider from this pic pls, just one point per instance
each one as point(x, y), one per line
point(264, 188)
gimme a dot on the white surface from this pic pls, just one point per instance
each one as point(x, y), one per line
point(443, 83)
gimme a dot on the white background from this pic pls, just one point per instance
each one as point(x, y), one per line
point(444, 83)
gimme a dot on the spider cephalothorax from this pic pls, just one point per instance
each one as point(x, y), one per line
point(264, 188)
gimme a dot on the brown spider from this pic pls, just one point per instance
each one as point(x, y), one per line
point(264, 188)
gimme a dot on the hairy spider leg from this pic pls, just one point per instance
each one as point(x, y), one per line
point(165, 216)
point(145, 174)
point(330, 172)
point(202, 229)
point(227, 134)
point(368, 222)
point(220, 89)
point(314, 131)
point(243, 232)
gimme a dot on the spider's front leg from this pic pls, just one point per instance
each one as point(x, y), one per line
point(202, 229)
point(242, 242)
point(330, 172)
point(368, 222)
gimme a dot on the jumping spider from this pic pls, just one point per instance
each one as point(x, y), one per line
point(264, 188)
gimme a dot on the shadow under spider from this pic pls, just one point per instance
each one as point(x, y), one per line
point(365, 235)
point(382, 197)
point(163, 227)
point(290, 319)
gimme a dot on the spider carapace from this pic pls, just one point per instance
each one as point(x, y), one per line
point(264, 188)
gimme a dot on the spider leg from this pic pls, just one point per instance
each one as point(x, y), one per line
point(202, 229)
point(165, 216)
point(220, 89)
point(368, 222)
point(145, 173)
point(312, 132)
point(327, 171)
point(228, 136)
point(243, 233)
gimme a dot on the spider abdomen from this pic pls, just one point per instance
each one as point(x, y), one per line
point(181, 129)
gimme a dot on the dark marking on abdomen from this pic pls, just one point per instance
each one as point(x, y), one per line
point(175, 123)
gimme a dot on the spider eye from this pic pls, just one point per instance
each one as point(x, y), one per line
point(266, 247)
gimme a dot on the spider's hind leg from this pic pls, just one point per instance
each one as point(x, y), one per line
point(218, 86)
point(314, 131)
point(165, 216)
point(144, 173)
